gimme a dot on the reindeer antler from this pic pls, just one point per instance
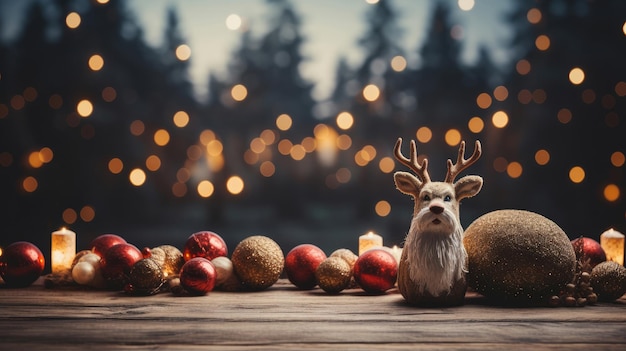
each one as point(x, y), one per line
point(420, 170)
point(461, 162)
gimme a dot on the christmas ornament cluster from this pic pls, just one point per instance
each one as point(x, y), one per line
point(203, 265)
point(509, 261)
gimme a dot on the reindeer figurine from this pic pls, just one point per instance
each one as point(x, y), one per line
point(433, 263)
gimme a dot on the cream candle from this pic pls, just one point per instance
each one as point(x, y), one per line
point(63, 247)
point(612, 243)
point(368, 241)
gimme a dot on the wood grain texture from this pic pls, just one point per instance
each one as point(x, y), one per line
point(284, 318)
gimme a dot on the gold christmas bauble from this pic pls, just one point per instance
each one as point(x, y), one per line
point(258, 261)
point(608, 280)
point(347, 255)
point(517, 256)
point(146, 277)
point(333, 274)
point(169, 258)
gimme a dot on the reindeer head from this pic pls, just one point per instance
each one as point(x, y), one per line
point(437, 203)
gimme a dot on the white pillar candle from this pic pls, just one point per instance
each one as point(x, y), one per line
point(63, 250)
point(369, 241)
point(612, 243)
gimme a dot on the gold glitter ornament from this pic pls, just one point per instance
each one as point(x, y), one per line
point(333, 274)
point(517, 256)
point(608, 280)
point(145, 278)
point(347, 255)
point(258, 262)
point(169, 258)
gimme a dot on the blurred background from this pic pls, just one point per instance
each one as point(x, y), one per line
point(157, 119)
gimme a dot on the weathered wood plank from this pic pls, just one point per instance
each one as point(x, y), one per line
point(283, 317)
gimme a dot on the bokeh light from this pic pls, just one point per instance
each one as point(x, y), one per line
point(72, 20)
point(137, 177)
point(84, 108)
point(183, 52)
point(577, 174)
point(576, 76)
point(382, 208)
point(234, 185)
point(239, 92)
point(371, 92)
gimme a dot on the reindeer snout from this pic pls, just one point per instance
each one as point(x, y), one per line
point(436, 208)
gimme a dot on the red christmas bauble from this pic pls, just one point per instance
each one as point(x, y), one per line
point(117, 263)
point(21, 263)
point(376, 271)
point(198, 276)
point(204, 244)
point(301, 263)
point(102, 243)
point(587, 248)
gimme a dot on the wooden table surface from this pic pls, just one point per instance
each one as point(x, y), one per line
point(282, 317)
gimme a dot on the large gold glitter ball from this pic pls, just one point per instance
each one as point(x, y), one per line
point(517, 256)
point(333, 274)
point(169, 257)
point(608, 280)
point(258, 261)
point(146, 277)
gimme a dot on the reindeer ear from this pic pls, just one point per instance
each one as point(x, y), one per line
point(407, 183)
point(468, 186)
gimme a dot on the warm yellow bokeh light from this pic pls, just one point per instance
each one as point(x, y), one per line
point(234, 185)
point(371, 92)
point(542, 157)
point(283, 122)
point(161, 137)
point(398, 63)
point(476, 125)
point(205, 188)
point(453, 137)
point(69, 216)
point(343, 175)
point(501, 93)
point(533, 16)
point(577, 174)
point(153, 163)
point(72, 20)
point(297, 152)
point(84, 108)
point(214, 148)
point(466, 5)
point(179, 189)
point(523, 67)
point(137, 127)
point(499, 164)
point(233, 22)
point(576, 76)
point(267, 169)
point(30, 184)
point(500, 119)
point(386, 164)
point(618, 159)
point(239, 92)
point(343, 142)
point(87, 214)
point(183, 52)
point(423, 135)
point(345, 120)
point(137, 177)
point(382, 208)
point(96, 62)
point(483, 100)
point(611, 192)
point(514, 169)
point(564, 115)
point(34, 160)
point(268, 136)
point(46, 155)
point(284, 147)
point(206, 136)
point(181, 119)
point(542, 42)
point(116, 165)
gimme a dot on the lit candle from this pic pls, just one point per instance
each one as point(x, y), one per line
point(612, 243)
point(368, 241)
point(397, 253)
point(63, 250)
